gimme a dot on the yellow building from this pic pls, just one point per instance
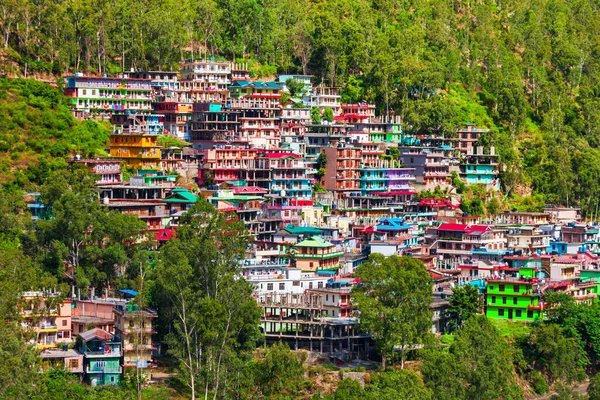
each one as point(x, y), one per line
point(135, 139)
point(134, 326)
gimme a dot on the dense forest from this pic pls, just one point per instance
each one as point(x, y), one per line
point(528, 70)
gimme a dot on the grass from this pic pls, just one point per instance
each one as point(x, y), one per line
point(511, 329)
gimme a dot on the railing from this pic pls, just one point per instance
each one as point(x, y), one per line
point(327, 255)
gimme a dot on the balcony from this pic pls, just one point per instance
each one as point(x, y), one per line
point(106, 369)
point(320, 256)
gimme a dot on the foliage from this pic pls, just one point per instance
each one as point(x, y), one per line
point(393, 302)
point(169, 141)
point(478, 366)
point(328, 114)
point(593, 391)
point(79, 238)
point(295, 87)
point(315, 115)
point(549, 351)
point(208, 312)
point(464, 303)
point(38, 133)
point(318, 188)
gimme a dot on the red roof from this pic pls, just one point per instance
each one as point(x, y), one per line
point(165, 234)
point(399, 193)
point(280, 155)
point(249, 189)
point(468, 229)
point(431, 202)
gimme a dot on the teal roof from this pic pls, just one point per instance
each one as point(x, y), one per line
point(302, 230)
point(254, 84)
point(236, 183)
point(315, 241)
point(181, 195)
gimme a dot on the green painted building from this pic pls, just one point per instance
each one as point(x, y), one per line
point(102, 354)
point(513, 298)
point(527, 267)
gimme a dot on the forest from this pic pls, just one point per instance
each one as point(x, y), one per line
point(529, 71)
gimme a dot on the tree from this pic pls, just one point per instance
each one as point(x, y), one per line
point(208, 310)
point(315, 115)
point(464, 303)
point(486, 356)
point(594, 388)
point(295, 87)
point(443, 374)
point(393, 301)
point(328, 114)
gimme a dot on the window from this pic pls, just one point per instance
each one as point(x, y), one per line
point(64, 322)
point(493, 299)
point(529, 314)
point(491, 287)
point(310, 285)
point(518, 313)
point(504, 300)
point(282, 286)
point(296, 283)
point(269, 286)
point(131, 323)
point(514, 300)
point(500, 312)
point(112, 379)
point(73, 363)
point(501, 288)
point(516, 288)
point(320, 285)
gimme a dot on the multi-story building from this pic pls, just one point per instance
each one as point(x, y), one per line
point(324, 97)
point(455, 242)
point(107, 171)
point(527, 239)
point(93, 312)
point(212, 125)
point(103, 96)
point(385, 178)
point(134, 325)
point(205, 80)
point(162, 80)
point(102, 354)
point(478, 167)
point(316, 253)
point(152, 212)
point(39, 314)
point(293, 128)
point(226, 163)
point(513, 298)
point(342, 174)
point(356, 113)
point(432, 165)
point(254, 90)
point(283, 174)
point(322, 136)
point(468, 136)
point(176, 115)
point(381, 130)
point(135, 139)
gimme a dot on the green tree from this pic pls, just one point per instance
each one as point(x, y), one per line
point(295, 87)
point(593, 391)
point(208, 310)
point(464, 303)
point(393, 301)
point(444, 375)
point(315, 115)
point(328, 114)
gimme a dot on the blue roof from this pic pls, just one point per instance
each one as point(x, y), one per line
point(325, 272)
point(129, 292)
point(393, 224)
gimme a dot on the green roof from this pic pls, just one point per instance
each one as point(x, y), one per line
point(236, 183)
point(302, 230)
point(315, 241)
point(181, 195)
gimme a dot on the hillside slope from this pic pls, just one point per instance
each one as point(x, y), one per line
point(39, 132)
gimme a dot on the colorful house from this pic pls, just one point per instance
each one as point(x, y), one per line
point(102, 354)
point(135, 139)
point(105, 96)
point(254, 90)
point(135, 326)
point(315, 253)
point(513, 298)
point(480, 168)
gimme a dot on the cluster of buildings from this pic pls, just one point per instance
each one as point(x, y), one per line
point(95, 338)
point(318, 198)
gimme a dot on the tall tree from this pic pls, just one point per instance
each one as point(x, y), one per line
point(393, 301)
point(464, 303)
point(214, 316)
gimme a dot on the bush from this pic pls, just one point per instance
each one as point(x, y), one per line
point(538, 382)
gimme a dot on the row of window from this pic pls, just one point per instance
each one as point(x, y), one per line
point(502, 288)
point(518, 313)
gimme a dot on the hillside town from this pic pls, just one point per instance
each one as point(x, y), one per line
point(320, 186)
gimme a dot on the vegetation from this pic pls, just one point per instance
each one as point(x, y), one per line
point(393, 302)
point(464, 303)
point(39, 132)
